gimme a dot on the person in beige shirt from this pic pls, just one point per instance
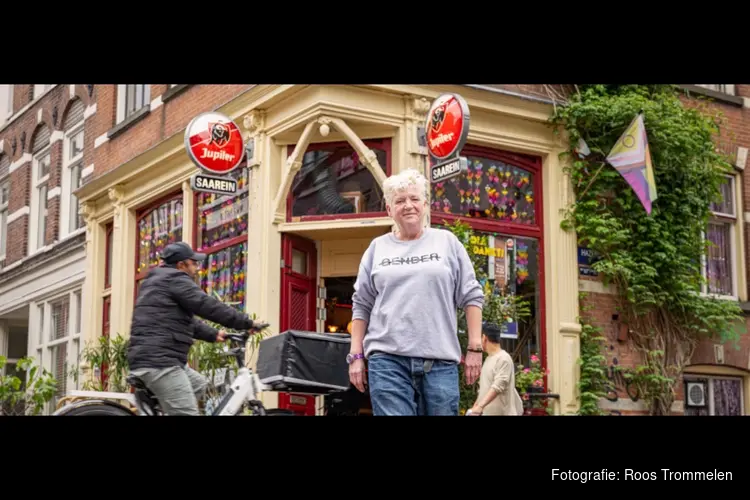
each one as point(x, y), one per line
point(497, 381)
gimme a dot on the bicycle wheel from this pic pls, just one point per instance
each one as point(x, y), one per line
point(103, 410)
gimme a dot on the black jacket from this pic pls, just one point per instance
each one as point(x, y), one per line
point(163, 326)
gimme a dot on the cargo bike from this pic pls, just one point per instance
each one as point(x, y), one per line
point(294, 361)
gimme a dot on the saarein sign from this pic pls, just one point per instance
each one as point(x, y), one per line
point(446, 131)
point(214, 143)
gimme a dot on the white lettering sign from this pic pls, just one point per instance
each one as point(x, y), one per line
point(441, 139)
point(217, 155)
point(213, 184)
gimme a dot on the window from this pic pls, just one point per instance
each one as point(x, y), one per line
point(4, 195)
point(491, 190)
point(221, 232)
point(724, 88)
point(334, 184)
point(71, 219)
point(720, 269)
point(41, 89)
point(106, 296)
point(158, 225)
point(40, 178)
point(108, 232)
point(131, 99)
point(59, 346)
point(499, 197)
point(6, 103)
point(713, 396)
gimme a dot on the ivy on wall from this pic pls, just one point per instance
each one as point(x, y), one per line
point(653, 260)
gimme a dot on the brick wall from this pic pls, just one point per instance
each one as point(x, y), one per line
point(155, 126)
point(18, 137)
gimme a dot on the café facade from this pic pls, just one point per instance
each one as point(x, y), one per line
point(309, 201)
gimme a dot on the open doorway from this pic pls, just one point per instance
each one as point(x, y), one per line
point(338, 303)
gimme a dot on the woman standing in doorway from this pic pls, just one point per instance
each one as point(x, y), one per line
point(410, 284)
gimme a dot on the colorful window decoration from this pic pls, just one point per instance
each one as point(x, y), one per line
point(156, 229)
point(223, 275)
point(222, 218)
point(510, 269)
point(491, 190)
point(221, 232)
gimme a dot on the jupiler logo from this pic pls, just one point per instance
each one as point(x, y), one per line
point(438, 117)
point(219, 134)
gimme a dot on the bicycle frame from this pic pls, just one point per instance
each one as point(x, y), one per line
point(244, 389)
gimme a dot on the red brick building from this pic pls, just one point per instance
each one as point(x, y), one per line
point(45, 155)
point(717, 379)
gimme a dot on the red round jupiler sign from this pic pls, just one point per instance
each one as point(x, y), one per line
point(447, 125)
point(214, 143)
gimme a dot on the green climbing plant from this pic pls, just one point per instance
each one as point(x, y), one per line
point(653, 260)
point(592, 385)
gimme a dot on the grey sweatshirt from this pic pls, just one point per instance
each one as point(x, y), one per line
point(408, 293)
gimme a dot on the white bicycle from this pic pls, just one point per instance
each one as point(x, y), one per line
point(241, 394)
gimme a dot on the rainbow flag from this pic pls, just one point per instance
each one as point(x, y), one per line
point(632, 158)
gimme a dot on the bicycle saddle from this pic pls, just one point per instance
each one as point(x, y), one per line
point(136, 382)
point(145, 397)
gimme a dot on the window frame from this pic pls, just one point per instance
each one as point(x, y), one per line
point(384, 143)
point(694, 377)
point(528, 163)
point(236, 240)
point(4, 217)
point(68, 199)
point(123, 93)
point(43, 344)
point(41, 89)
point(534, 166)
point(6, 108)
point(106, 294)
point(732, 221)
point(37, 182)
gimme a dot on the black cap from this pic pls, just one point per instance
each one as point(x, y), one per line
point(177, 252)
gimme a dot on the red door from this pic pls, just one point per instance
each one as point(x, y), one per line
point(298, 276)
point(298, 303)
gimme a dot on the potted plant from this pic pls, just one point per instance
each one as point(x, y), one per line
point(531, 380)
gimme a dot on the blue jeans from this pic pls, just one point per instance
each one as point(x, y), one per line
point(412, 386)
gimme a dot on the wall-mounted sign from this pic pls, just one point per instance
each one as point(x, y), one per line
point(447, 128)
point(209, 184)
point(586, 259)
point(214, 143)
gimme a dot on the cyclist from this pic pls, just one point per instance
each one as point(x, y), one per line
point(164, 328)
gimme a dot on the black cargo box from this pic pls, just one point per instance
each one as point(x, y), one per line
point(305, 362)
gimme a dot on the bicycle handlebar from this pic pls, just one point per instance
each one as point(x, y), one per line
point(238, 337)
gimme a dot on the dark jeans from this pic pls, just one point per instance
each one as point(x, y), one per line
point(412, 386)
